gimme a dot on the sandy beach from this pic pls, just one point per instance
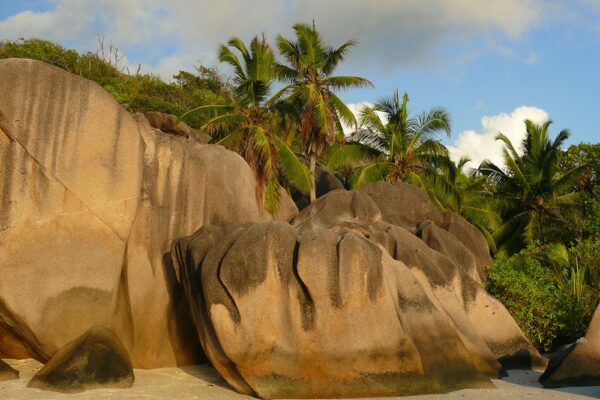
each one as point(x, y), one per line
point(202, 382)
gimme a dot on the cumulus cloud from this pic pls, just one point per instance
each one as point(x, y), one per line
point(395, 32)
point(481, 144)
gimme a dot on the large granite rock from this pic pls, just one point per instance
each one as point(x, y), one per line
point(71, 161)
point(577, 364)
point(340, 303)
point(96, 360)
point(402, 204)
point(7, 372)
point(90, 201)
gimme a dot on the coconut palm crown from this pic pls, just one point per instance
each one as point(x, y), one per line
point(394, 145)
point(529, 191)
point(308, 73)
point(253, 122)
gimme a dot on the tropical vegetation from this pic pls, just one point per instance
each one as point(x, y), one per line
point(530, 193)
point(311, 86)
point(393, 145)
point(252, 122)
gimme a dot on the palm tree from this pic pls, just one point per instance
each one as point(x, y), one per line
point(395, 146)
point(310, 83)
point(529, 191)
point(253, 122)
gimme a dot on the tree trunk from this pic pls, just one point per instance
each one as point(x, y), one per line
point(313, 164)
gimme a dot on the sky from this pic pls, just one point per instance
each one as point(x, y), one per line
point(490, 63)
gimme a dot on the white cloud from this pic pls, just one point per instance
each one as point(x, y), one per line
point(355, 108)
point(481, 145)
point(393, 32)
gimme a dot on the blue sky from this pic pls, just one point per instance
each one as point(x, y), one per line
point(490, 63)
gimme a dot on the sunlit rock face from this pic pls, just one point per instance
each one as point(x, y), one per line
point(90, 200)
point(341, 302)
point(577, 364)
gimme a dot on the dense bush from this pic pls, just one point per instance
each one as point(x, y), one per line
point(139, 92)
point(532, 290)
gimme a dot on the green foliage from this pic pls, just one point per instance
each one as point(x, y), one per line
point(252, 124)
point(140, 92)
point(588, 189)
point(401, 148)
point(585, 256)
point(311, 89)
point(532, 195)
point(548, 316)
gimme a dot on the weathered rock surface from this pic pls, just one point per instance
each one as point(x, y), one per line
point(90, 201)
point(96, 360)
point(469, 236)
point(577, 364)
point(169, 123)
point(71, 161)
point(186, 185)
point(7, 372)
point(402, 204)
point(341, 303)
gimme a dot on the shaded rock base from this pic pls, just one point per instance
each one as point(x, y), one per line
point(95, 360)
point(7, 373)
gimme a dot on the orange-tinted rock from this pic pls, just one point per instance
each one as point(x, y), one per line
point(339, 303)
point(90, 201)
point(7, 373)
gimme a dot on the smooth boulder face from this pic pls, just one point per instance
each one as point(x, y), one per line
point(7, 373)
point(96, 360)
point(577, 364)
point(71, 161)
point(338, 303)
point(470, 237)
point(90, 200)
point(446, 243)
point(402, 204)
point(186, 185)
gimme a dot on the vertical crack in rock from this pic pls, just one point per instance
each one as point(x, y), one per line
point(307, 305)
point(334, 278)
point(232, 307)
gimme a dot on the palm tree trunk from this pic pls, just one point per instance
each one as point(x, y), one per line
point(313, 164)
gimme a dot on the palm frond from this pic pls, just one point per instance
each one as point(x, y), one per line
point(508, 144)
point(370, 173)
point(347, 154)
point(344, 113)
point(346, 82)
point(334, 56)
point(293, 167)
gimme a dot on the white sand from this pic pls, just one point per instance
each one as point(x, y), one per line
point(202, 382)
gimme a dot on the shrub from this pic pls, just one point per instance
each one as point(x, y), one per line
point(141, 92)
point(546, 313)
